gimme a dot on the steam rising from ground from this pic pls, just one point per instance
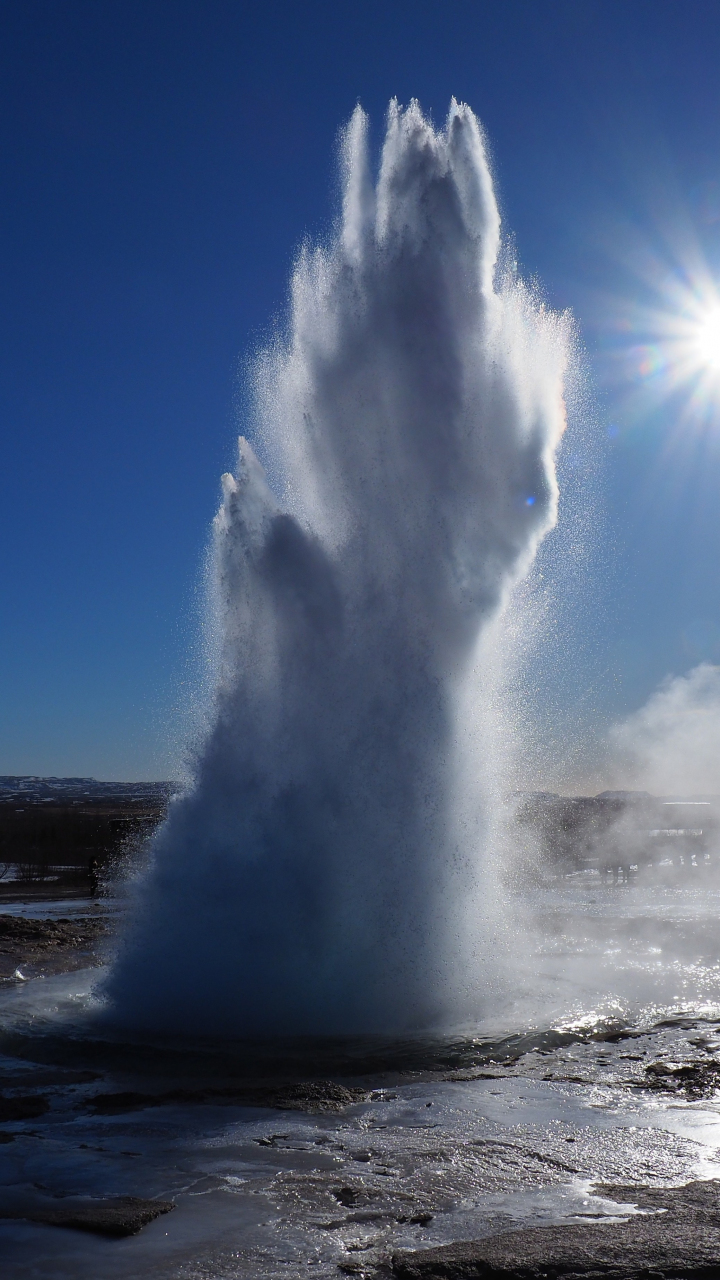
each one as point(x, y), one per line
point(671, 745)
point(325, 871)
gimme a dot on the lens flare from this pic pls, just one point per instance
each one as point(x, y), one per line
point(708, 339)
point(660, 326)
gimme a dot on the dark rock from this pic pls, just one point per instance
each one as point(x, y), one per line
point(307, 1095)
point(39, 934)
point(348, 1197)
point(48, 946)
point(635, 1250)
point(693, 1079)
point(25, 1108)
point(109, 1104)
point(679, 1244)
point(695, 1199)
point(122, 1216)
point(45, 1077)
point(313, 1096)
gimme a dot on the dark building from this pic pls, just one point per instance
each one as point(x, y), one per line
point(618, 830)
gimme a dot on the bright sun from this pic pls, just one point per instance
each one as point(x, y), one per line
point(672, 357)
point(708, 339)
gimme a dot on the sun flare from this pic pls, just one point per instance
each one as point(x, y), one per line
point(665, 348)
point(708, 339)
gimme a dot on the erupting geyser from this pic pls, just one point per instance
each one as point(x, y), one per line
point(324, 873)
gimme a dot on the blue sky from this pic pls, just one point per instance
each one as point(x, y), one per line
point(162, 163)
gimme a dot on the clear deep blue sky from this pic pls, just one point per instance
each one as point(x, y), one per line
point(162, 162)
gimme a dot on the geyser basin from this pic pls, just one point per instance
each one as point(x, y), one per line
point(325, 872)
point(417, 1143)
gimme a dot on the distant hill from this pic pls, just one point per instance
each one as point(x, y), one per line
point(29, 789)
point(61, 833)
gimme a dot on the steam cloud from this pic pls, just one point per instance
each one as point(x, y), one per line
point(322, 875)
point(672, 744)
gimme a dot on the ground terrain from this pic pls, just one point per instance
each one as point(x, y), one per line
point(582, 1149)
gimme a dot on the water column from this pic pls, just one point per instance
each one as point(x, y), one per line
point(324, 873)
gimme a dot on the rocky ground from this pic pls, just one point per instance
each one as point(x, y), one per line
point(37, 946)
point(578, 1153)
point(679, 1237)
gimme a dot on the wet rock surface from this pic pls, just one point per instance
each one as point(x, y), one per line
point(358, 1158)
point(677, 1236)
point(312, 1096)
point(363, 1178)
point(699, 1200)
point(22, 1107)
point(693, 1079)
point(642, 1249)
point(37, 945)
point(116, 1217)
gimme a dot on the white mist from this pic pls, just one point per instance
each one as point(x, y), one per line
point(324, 874)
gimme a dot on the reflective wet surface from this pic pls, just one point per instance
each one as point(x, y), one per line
point(602, 1072)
